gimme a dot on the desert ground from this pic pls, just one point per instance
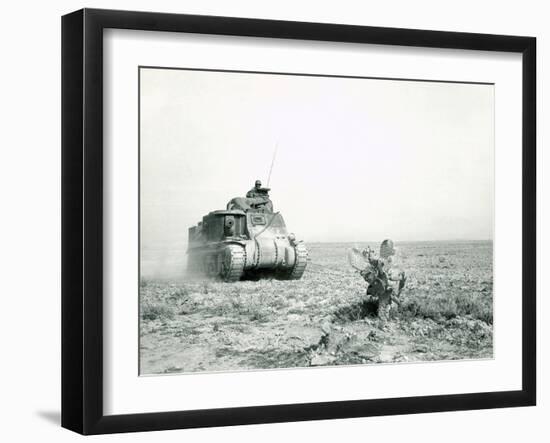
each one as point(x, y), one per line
point(446, 313)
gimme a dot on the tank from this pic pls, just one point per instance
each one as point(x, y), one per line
point(236, 244)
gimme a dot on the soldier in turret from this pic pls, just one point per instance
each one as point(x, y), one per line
point(256, 199)
point(256, 191)
point(259, 197)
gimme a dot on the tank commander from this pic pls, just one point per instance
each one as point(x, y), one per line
point(379, 275)
point(257, 190)
point(258, 197)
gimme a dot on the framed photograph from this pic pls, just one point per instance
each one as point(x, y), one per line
point(269, 221)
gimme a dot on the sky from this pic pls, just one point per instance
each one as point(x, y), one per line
point(356, 159)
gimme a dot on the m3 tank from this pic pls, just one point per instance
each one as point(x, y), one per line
point(249, 243)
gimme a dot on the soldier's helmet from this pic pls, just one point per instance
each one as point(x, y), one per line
point(258, 184)
point(387, 249)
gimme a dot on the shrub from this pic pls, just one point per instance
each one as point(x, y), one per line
point(447, 306)
point(180, 292)
point(156, 311)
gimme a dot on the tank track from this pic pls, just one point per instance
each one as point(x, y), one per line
point(299, 264)
point(232, 263)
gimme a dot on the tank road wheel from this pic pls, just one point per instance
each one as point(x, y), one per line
point(232, 263)
point(299, 265)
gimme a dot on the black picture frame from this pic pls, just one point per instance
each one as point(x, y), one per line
point(82, 218)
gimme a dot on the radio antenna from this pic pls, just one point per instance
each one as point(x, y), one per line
point(272, 163)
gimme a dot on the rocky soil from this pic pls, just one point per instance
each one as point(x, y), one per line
point(323, 319)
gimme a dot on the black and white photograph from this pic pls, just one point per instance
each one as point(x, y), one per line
point(290, 220)
point(243, 222)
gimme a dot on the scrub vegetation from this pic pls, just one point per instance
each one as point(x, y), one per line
point(446, 313)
